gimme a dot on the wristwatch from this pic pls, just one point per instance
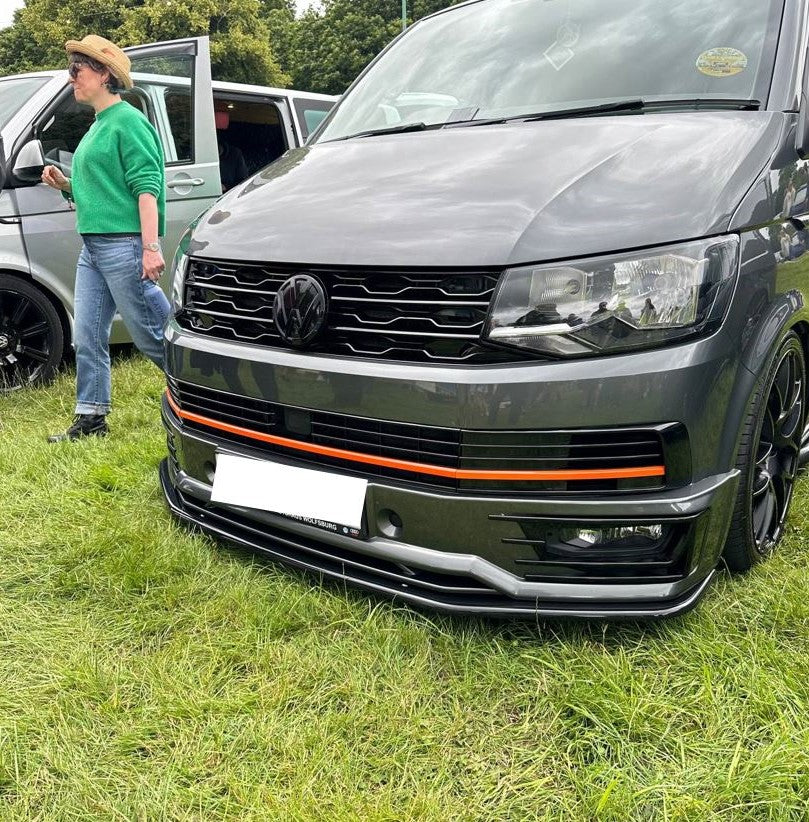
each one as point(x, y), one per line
point(152, 246)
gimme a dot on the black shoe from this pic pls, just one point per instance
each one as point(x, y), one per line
point(84, 425)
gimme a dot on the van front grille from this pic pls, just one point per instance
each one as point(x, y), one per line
point(413, 315)
point(249, 421)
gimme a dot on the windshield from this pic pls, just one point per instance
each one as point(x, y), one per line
point(13, 93)
point(506, 58)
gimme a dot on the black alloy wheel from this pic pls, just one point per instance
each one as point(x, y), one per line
point(31, 336)
point(769, 458)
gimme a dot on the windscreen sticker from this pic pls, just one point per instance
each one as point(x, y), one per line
point(560, 53)
point(722, 62)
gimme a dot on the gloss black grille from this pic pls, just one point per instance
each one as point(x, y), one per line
point(432, 446)
point(419, 316)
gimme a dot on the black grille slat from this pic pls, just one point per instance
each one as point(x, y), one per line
point(377, 449)
point(416, 316)
point(631, 461)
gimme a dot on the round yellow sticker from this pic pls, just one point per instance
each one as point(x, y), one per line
point(722, 62)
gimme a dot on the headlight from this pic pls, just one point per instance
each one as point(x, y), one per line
point(616, 303)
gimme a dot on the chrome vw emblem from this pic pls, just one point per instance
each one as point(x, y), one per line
point(299, 309)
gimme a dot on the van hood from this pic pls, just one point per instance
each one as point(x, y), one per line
point(496, 195)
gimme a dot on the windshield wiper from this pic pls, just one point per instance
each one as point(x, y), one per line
point(583, 111)
point(703, 103)
point(618, 107)
point(398, 129)
point(632, 106)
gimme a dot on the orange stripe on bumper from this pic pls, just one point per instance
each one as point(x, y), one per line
point(418, 467)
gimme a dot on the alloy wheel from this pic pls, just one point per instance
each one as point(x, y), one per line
point(777, 453)
point(26, 340)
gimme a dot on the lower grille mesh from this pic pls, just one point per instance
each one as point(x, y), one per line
point(431, 446)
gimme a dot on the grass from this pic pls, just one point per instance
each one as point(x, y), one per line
point(147, 673)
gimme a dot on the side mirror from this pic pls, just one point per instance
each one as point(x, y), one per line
point(30, 162)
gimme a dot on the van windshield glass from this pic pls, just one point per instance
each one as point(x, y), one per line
point(13, 93)
point(511, 58)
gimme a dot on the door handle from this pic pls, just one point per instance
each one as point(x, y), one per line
point(191, 181)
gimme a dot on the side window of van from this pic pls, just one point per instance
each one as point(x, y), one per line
point(311, 114)
point(167, 82)
point(249, 133)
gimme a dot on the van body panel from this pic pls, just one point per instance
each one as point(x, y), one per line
point(463, 192)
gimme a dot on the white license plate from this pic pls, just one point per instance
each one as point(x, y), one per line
point(283, 489)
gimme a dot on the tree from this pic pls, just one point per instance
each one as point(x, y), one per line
point(240, 37)
point(325, 50)
point(36, 39)
point(330, 48)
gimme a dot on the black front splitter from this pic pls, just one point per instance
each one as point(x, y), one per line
point(364, 572)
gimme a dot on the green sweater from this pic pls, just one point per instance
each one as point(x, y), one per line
point(117, 160)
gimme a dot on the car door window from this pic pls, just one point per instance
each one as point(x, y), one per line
point(178, 112)
point(168, 82)
point(69, 122)
point(63, 130)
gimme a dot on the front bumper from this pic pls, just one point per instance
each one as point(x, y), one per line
point(470, 566)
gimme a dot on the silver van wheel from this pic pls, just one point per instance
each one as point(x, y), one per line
point(31, 337)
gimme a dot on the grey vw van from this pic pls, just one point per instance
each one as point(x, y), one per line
point(40, 122)
point(523, 328)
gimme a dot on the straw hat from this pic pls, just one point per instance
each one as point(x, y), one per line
point(105, 52)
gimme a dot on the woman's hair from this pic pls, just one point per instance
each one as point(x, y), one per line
point(113, 84)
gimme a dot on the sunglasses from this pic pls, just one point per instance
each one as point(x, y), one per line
point(75, 66)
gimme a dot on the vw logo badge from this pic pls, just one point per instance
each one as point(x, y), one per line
point(299, 309)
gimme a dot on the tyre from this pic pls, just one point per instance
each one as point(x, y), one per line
point(768, 458)
point(31, 336)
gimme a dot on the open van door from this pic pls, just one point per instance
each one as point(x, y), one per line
point(173, 80)
point(173, 88)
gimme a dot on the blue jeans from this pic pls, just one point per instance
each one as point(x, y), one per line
point(108, 276)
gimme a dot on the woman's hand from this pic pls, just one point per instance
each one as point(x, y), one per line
point(153, 265)
point(55, 179)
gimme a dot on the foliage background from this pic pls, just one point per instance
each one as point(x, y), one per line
point(252, 41)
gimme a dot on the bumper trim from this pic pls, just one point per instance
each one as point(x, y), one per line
point(565, 475)
point(487, 590)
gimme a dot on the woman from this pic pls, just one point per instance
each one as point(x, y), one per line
point(118, 187)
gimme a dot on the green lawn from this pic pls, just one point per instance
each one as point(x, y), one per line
point(150, 674)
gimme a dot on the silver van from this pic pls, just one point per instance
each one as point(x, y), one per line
point(40, 122)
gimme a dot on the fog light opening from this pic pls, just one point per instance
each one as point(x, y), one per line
point(389, 523)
